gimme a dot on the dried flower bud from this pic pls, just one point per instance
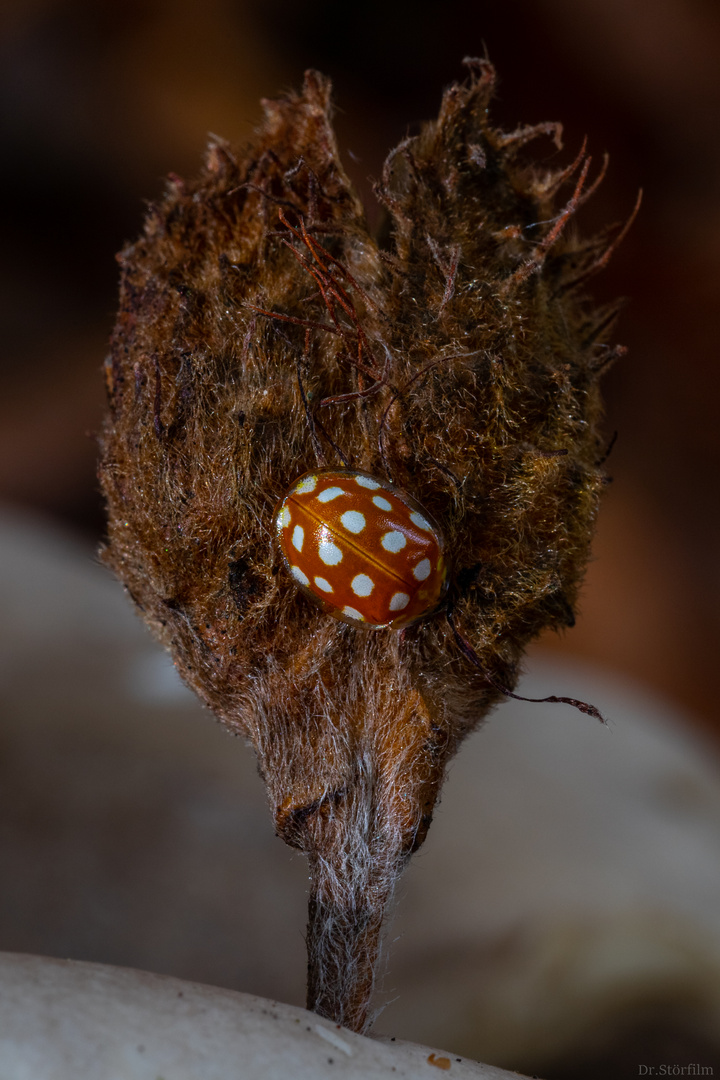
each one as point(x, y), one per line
point(263, 332)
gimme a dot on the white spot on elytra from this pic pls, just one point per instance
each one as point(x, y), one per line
point(382, 504)
point(399, 601)
point(353, 614)
point(422, 570)
point(298, 537)
point(324, 584)
point(329, 494)
point(330, 553)
point(306, 485)
point(393, 541)
point(284, 517)
point(366, 482)
point(362, 585)
point(299, 576)
point(419, 520)
point(353, 521)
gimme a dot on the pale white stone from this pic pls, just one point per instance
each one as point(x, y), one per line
point(334, 1039)
point(66, 1020)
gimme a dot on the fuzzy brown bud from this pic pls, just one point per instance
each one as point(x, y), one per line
point(263, 331)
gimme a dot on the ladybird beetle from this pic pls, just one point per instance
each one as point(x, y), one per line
point(367, 552)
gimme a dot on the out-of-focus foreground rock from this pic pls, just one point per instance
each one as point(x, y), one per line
point(61, 1019)
point(562, 919)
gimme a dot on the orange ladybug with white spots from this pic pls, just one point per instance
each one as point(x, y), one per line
point(367, 552)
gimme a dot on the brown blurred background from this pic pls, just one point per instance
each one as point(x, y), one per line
point(98, 102)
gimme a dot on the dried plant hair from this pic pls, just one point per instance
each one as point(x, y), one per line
point(263, 331)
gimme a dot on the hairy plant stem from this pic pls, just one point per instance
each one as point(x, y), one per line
point(343, 953)
point(357, 847)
